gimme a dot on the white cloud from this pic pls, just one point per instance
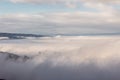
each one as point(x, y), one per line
point(68, 3)
point(61, 58)
point(45, 1)
point(104, 1)
point(62, 22)
point(65, 1)
point(99, 6)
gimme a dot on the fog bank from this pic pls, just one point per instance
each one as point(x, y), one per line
point(61, 58)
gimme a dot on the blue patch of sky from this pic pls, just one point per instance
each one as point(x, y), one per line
point(117, 7)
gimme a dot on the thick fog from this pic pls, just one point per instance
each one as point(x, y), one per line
point(61, 58)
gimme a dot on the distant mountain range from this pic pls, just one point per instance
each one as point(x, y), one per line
point(24, 36)
point(19, 35)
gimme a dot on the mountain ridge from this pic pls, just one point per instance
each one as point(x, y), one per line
point(19, 35)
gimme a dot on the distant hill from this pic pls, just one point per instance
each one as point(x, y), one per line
point(19, 35)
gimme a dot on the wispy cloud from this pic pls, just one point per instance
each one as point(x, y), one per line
point(104, 18)
point(68, 3)
point(63, 22)
point(64, 1)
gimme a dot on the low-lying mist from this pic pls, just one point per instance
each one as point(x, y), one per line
point(61, 58)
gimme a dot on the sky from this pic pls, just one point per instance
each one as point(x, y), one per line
point(60, 16)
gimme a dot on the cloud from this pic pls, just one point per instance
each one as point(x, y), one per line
point(67, 3)
point(64, 1)
point(100, 7)
point(63, 58)
point(104, 1)
point(63, 22)
point(105, 18)
point(45, 1)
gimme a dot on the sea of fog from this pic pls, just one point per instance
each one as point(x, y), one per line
point(61, 58)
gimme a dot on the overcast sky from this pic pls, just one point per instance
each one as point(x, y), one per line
point(60, 16)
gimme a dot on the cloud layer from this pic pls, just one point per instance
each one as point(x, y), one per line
point(98, 16)
point(62, 58)
point(68, 3)
point(63, 1)
point(63, 22)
